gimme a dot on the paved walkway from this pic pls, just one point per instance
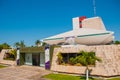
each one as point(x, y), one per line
point(22, 73)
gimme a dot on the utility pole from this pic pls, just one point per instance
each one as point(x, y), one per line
point(94, 7)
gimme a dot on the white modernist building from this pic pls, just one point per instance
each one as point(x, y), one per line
point(86, 31)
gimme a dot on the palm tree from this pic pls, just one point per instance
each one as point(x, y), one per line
point(88, 58)
point(44, 44)
point(37, 42)
point(13, 52)
point(17, 44)
point(20, 44)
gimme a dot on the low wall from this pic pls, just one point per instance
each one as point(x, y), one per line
point(110, 55)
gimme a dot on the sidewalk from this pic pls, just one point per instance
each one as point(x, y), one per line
point(23, 73)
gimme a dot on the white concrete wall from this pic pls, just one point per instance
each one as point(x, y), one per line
point(93, 23)
point(76, 23)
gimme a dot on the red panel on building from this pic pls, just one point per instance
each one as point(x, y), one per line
point(80, 20)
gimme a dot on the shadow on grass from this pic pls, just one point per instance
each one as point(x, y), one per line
point(84, 78)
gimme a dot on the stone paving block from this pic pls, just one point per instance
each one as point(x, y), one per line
point(21, 73)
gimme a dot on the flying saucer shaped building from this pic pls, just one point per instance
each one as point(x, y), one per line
point(86, 31)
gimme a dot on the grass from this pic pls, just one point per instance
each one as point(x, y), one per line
point(2, 66)
point(71, 77)
point(65, 77)
point(12, 59)
point(114, 78)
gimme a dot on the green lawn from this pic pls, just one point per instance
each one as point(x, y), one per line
point(12, 59)
point(65, 77)
point(114, 79)
point(70, 77)
point(2, 66)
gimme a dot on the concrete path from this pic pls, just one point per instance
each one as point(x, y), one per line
point(22, 73)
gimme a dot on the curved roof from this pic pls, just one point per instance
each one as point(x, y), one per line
point(92, 32)
point(79, 32)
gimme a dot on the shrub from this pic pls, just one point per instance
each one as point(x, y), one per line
point(60, 58)
point(78, 64)
point(117, 42)
point(73, 61)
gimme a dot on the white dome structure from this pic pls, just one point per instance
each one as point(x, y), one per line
point(86, 31)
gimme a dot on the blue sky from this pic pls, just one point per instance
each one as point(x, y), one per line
point(32, 20)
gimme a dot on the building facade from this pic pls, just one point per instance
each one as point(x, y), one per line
point(86, 31)
point(88, 34)
point(110, 55)
point(32, 56)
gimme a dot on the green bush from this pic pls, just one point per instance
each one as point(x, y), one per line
point(73, 61)
point(4, 46)
point(117, 42)
point(60, 58)
point(1, 48)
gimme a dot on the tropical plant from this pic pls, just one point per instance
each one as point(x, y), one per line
point(20, 44)
point(73, 60)
point(88, 58)
point(17, 44)
point(37, 43)
point(44, 44)
point(117, 42)
point(60, 58)
point(1, 48)
point(13, 52)
point(4, 46)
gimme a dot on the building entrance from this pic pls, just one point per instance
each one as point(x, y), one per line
point(36, 59)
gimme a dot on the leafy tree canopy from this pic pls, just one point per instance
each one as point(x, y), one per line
point(117, 42)
point(4, 46)
point(37, 43)
point(20, 44)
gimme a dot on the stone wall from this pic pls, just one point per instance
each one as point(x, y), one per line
point(110, 55)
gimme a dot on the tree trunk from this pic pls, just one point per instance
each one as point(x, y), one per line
point(87, 71)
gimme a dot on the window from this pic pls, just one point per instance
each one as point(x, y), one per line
point(67, 56)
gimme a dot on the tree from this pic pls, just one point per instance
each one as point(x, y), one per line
point(17, 44)
point(117, 42)
point(13, 52)
point(88, 58)
point(1, 48)
point(20, 44)
point(37, 43)
point(60, 58)
point(44, 44)
point(4, 46)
